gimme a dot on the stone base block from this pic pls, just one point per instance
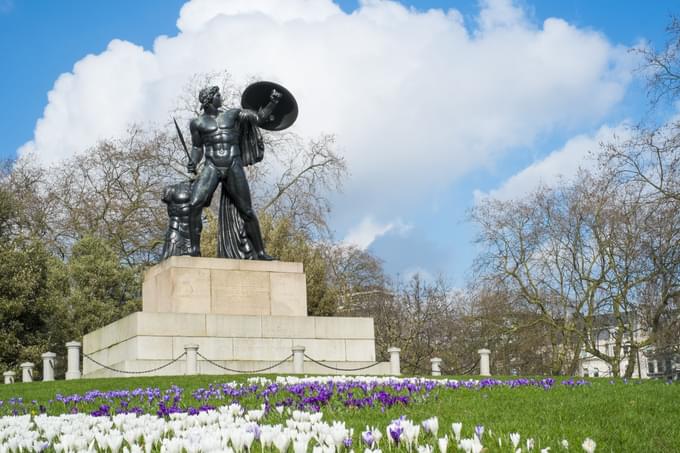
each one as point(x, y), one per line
point(184, 284)
point(145, 340)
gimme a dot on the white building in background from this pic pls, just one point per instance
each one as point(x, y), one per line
point(649, 363)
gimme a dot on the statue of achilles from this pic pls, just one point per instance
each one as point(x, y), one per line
point(227, 140)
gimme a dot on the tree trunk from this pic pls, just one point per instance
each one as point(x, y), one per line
point(632, 362)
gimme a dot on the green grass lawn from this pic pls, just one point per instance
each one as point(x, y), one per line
point(620, 417)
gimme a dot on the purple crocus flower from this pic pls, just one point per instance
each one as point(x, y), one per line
point(479, 430)
point(368, 438)
point(255, 429)
point(395, 431)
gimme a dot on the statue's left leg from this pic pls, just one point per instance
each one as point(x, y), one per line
point(238, 191)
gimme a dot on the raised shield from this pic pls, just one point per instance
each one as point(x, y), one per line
point(257, 96)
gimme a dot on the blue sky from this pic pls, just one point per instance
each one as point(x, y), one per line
point(41, 39)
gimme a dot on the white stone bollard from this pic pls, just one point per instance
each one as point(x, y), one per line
point(9, 377)
point(298, 359)
point(73, 360)
point(192, 359)
point(395, 364)
point(436, 366)
point(484, 369)
point(27, 371)
point(48, 366)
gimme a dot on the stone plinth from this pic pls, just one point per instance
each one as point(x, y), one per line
point(143, 341)
point(243, 315)
point(183, 284)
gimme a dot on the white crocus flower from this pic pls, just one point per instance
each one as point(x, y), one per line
point(267, 436)
point(424, 448)
point(431, 425)
point(545, 450)
point(300, 443)
point(248, 438)
point(443, 443)
point(530, 444)
point(328, 441)
point(466, 445)
point(237, 440)
point(457, 427)
point(565, 444)
point(254, 415)
point(282, 441)
point(477, 446)
point(589, 445)
point(115, 440)
point(514, 438)
point(411, 432)
point(338, 432)
point(377, 435)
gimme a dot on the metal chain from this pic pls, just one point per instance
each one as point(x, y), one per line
point(444, 370)
point(134, 372)
point(467, 370)
point(414, 366)
point(341, 369)
point(240, 371)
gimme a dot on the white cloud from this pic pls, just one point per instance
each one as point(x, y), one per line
point(368, 230)
point(578, 153)
point(415, 98)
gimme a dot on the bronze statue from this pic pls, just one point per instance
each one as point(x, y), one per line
point(227, 140)
point(178, 240)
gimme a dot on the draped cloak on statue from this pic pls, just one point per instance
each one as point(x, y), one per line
point(232, 240)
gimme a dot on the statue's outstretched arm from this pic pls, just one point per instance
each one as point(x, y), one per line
point(264, 112)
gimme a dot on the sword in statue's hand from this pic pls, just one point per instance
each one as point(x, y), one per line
point(191, 165)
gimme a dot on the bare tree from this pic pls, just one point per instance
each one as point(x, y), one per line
point(590, 257)
point(662, 68)
point(112, 191)
point(358, 276)
point(650, 161)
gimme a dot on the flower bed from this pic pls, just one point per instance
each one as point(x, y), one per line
point(285, 414)
point(308, 394)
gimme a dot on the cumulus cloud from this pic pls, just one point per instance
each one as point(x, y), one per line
point(368, 230)
point(580, 152)
point(416, 98)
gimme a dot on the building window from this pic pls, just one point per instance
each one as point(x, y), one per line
point(596, 373)
point(650, 367)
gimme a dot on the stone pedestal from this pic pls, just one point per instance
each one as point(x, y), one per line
point(184, 284)
point(243, 315)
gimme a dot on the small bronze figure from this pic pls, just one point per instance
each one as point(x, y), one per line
point(178, 240)
point(229, 140)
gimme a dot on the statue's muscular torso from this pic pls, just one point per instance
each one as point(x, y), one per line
point(218, 135)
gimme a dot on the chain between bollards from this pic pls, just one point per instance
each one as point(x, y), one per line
point(134, 372)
